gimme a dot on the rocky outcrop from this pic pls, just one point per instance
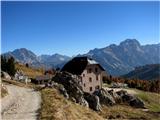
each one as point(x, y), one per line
point(93, 101)
point(105, 97)
point(70, 83)
point(116, 97)
point(121, 93)
point(59, 87)
point(131, 99)
point(136, 102)
point(5, 75)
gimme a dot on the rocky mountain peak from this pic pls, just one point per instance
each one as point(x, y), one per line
point(130, 42)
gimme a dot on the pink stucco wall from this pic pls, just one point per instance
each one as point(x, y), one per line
point(89, 79)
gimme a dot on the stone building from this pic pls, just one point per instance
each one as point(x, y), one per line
point(90, 72)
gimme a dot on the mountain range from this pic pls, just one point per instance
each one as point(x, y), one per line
point(147, 72)
point(123, 58)
point(24, 55)
point(116, 59)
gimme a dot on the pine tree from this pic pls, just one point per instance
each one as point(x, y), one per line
point(3, 63)
point(11, 66)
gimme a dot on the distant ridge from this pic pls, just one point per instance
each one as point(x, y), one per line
point(123, 58)
point(24, 55)
point(147, 72)
point(116, 59)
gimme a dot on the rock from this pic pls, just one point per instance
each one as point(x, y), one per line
point(93, 101)
point(127, 98)
point(118, 85)
point(5, 75)
point(83, 102)
point(136, 102)
point(59, 87)
point(73, 99)
point(121, 93)
point(63, 91)
point(105, 97)
point(131, 99)
point(116, 97)
point(70, 83)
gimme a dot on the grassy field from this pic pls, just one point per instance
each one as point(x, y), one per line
point(151, 100)
point(127, 112)
point(30, 72)
point(56, 107)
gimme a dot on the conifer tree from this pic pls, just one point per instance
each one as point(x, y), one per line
point(11, 66)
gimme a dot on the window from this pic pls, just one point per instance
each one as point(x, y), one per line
point(90, 88)
point(90, 79)
point(96, 77)
point(89, 70)
point(96, 70)
point(97, 87)
point(84, 85)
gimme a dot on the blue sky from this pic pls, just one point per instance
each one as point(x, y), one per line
point(71, 28)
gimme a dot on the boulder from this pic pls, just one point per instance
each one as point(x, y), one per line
point(93, 101)
point(105, 97)
point(83, 102)
point(136, 102)
point(63, 91)
point(127, 98)
point(131, 99)
point(5, 75)
point(116, 97)
point(70, 83)
point(121, 93)
point(59, 87)
point(73, 99)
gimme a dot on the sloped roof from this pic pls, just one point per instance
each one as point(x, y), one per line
point(78, 64)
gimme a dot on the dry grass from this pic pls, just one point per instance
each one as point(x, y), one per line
point(21, 84)
point(127, 112)
point(151, 100)
point(4, 92)
point(56, 107)
point(30, 72)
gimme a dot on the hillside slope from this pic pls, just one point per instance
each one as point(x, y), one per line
point(30, 72)
point(56, 107)
point(147, 72)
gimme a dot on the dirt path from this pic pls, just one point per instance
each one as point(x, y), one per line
point(20, 104)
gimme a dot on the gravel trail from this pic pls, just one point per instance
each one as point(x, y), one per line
point(21, 104)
